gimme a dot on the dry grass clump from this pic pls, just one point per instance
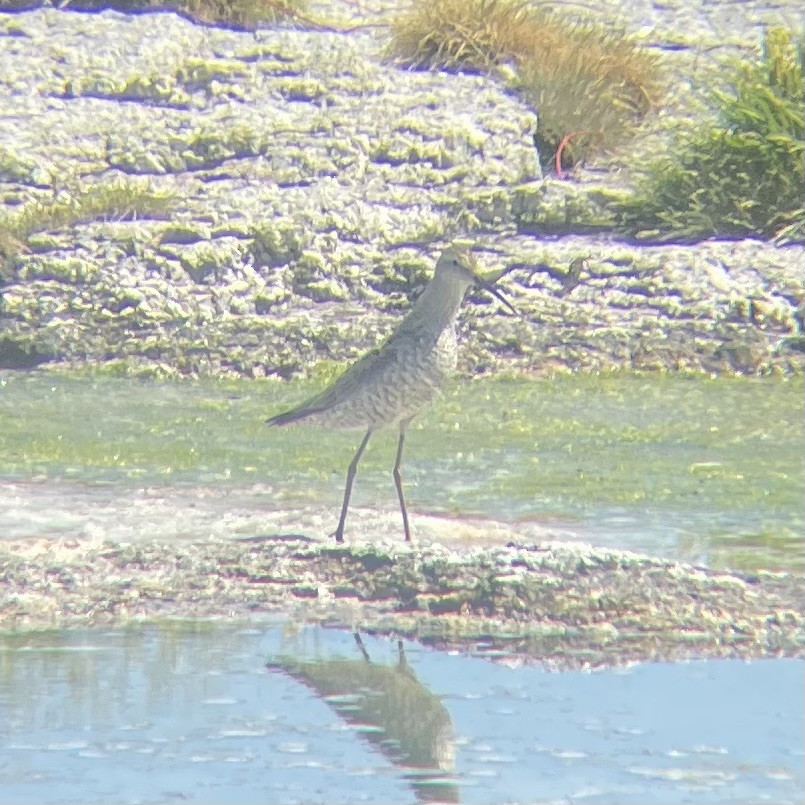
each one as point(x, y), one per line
point(460, 35)
point(591, 84)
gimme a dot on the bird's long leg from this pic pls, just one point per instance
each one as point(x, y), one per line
point(398, 479)
point(353, 468)
point(361, 646)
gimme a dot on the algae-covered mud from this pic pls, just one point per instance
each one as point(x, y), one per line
point(140, 499)
point(691, 468)
point(202, 201)
point(564, 605)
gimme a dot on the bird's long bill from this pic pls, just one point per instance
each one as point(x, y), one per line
point(497, 293)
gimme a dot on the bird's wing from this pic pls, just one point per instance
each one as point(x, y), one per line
point(371, 365)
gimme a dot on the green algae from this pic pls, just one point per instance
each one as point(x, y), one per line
point(122, 198)
point(570, 605)
point(717, 461)
point(156, 88)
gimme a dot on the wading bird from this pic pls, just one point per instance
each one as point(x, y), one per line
point(390, 384)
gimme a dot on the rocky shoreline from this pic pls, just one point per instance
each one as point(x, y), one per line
point(278, 198)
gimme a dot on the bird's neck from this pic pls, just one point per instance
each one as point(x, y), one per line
point(438, 305)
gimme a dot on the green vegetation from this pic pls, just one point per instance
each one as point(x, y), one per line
point(197, 73)
point(202, 148)
point(692, 465)
point(276, 245)
point(154, 88)
point(119, 199)
point(183, 149)
point(591, 84)
point(166, 88)
point(743, 175)
point(15, 167)
point(247, 14)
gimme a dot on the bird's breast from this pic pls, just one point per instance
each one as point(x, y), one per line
point(445, 352)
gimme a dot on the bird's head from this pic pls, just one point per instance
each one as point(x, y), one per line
point(458, 264)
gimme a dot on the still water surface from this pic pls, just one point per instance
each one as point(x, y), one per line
point(271, 713)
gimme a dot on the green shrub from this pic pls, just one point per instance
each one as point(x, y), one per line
point(588, 82)
point(742, 175)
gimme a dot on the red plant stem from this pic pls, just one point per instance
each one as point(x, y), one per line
point(557, 159)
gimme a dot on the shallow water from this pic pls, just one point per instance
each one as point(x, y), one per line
point(697, 469)
point(275, 713)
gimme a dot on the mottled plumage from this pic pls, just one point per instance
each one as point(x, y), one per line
point(389, 385)
point(383, 387)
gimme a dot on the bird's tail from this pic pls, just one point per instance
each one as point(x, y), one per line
point(287, 417)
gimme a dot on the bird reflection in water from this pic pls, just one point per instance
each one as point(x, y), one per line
point(392, 709)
